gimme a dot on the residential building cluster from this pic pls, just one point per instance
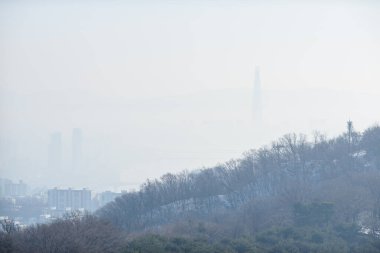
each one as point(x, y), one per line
point(28, 207)
point(11, 189)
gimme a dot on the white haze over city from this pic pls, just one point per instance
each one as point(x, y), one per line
point(167, 86)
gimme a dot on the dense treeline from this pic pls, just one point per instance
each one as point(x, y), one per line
point(276, 240)
point(313, 232)
point(73, 233)
point(296, 195)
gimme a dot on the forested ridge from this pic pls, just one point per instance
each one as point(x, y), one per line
point(298, 194)
point(343, 171)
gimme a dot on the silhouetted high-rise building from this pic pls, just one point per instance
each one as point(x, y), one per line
point(55, 152)
point(77, 148)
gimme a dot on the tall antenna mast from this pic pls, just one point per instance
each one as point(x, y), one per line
point(349, 131)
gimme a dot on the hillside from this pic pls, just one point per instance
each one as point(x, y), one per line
point(264, 186)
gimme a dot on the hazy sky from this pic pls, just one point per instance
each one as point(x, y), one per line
point(163, 86)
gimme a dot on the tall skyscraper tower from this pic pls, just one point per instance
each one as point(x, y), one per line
point(77, 140)
point(55, 152)
point(257, 103)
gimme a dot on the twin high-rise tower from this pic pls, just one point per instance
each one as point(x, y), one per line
point(55, 156)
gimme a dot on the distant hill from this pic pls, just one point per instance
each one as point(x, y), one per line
point(296, 179)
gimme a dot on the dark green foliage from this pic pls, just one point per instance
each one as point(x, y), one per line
point(148, 244)
point(304, 239)
point(316, 239)
point(242, 245)
point(6, 244)
point(158, 244)
point(371, 144)
point(313, 214)
point(347, 231)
